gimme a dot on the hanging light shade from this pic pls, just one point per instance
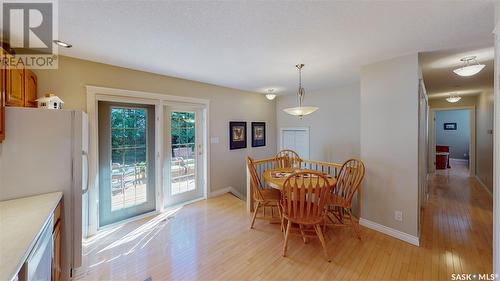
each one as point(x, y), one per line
point(300, 110)
point(470, 67)
point(453, 98)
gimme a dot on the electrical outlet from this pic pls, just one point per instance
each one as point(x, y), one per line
point(398, 215)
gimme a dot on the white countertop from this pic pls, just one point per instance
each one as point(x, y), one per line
point(21, 223)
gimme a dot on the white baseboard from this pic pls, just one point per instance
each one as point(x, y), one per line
point(484, 186)
point(228, 189)
point(236, 193)
point(459, 160)
point(219, 192)
point(390, 231)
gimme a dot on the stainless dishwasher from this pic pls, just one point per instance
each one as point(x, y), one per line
point(38, 265)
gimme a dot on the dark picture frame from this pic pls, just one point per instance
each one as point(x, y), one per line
point(258, 134)
point(237, 135)
point(449, 126)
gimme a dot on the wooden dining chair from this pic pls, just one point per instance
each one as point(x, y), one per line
point(303, 203)
point(288, 159)
point(268, 197)
point(339, 207)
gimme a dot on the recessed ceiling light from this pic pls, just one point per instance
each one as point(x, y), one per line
point(62, 44)
point(470, 67)
point(270, 94)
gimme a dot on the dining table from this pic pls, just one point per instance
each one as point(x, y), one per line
point(276, 177)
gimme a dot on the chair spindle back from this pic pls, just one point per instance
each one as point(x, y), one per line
point(349, 179)
point(288, 159)
point(304, 195)
point(255, 181)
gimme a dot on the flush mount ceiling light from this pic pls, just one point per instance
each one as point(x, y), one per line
point(270, 95)
point(470, 67)
point(453, 98)
point(300, 110)
point(62, 44)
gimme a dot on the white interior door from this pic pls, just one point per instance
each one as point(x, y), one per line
point(184, 155)
point(296, 139)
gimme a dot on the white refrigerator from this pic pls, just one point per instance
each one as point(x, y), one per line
point(45, 151)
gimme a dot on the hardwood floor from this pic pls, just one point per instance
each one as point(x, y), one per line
point(211, 240)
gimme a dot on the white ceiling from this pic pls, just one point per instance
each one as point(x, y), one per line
point(254, 45)
point(440, 81)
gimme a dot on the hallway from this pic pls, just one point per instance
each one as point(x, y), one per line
point(457, 224)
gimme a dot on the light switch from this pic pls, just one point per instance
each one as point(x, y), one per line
point(214, 140)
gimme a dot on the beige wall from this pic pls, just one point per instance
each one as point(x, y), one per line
point(496, 142)
point(227, 167)
point(389, 142)
point(334, 128)
point(484, 138)
point(497, 13)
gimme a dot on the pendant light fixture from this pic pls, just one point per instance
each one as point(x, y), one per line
point(453, 98)
point(300, 110)
point(470, 67)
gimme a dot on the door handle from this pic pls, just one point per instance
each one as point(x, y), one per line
point(200, 149)
point(86, 155)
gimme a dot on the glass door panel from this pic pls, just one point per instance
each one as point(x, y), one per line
point(128, 153)
point(184, 156)
point(183, 162)
point(126, 160)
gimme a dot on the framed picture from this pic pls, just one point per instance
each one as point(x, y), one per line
point(258, 134)
point(237, 135)
point(450, 126)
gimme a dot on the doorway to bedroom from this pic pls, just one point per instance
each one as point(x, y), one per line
point(453, 143)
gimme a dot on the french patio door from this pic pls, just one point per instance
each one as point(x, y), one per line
point(184, 163)
point(126, 161)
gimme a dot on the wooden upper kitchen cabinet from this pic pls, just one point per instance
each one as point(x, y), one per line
point(14, 95)
point(21, 86)
point(18, 87)
point(30, 85)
